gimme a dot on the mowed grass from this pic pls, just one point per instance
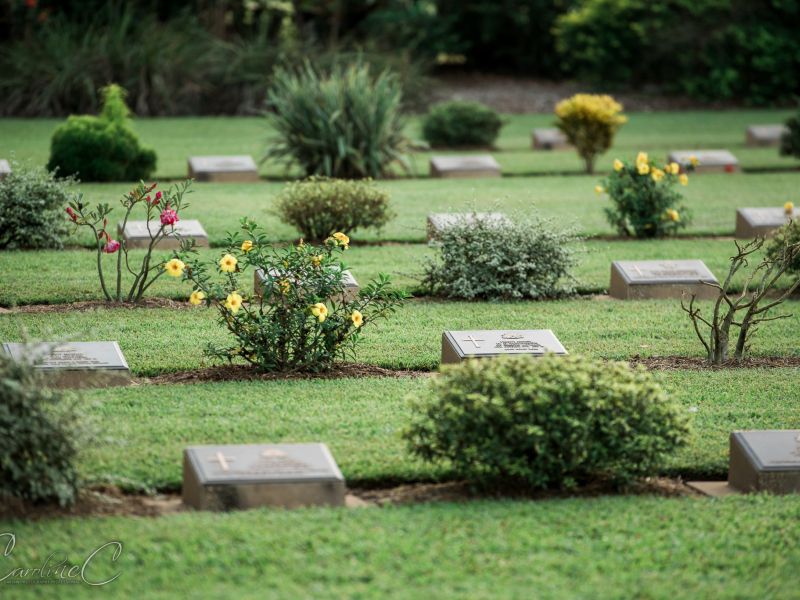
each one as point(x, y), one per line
point(146, 427)
point(605, 547)
point(167, 340)
point(567, 201)
point(175, 139)
point(55, 277)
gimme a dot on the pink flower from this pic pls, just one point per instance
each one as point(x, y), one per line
point(111, 247)
point(72, 214)
point(169, 217)
point(158, 196)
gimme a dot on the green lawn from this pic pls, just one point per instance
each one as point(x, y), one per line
point(55, 277)
point(175, 139)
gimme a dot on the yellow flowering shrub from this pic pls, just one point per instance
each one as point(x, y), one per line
point(645, 201)
point(590, 123)
point(302, 320)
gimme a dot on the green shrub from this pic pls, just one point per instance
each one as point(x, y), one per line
point(482, 258)
point(346, 124)
point(590, 123)
point(318, 207)
point(786, 236)
point(303, 320)
point(32, 201)
point(103, 148)
point(790, 141)
point(549, 422)
point(645, 201)
point(43, 430)
point(461, 124)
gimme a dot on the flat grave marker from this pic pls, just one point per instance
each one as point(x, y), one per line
point(755, 222)
point(254, 475)
point(351, 286)
point(709, 161)
point(5, 168)
point(646, 279)
point(224, 169)
point(136, 234)
point(476, 165)
point(549, 139)
point(760, 461)
point(76, 364)
point(765, 135)
point(438, 222)
point(461, 345)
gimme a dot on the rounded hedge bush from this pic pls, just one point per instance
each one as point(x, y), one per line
point(461, 124)
point(319, 207)
point(790, 140)
point(103, 148)
point(549, 422)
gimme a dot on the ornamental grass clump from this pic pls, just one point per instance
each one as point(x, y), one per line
point(549, 422)
point(491, 259)
point(646, 203)
point(303, 320)
point(319, 207)
point(130, 277)
point(590, 123)
point(345, 124)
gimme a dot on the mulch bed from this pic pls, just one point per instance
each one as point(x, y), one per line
point(106, 501)
point(692, 363)
point(248, 373)
point(88, 305)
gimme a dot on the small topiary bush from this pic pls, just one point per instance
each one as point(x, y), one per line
point(31, 204)
point(461, 124)
point(318, 207)
point(645, 203)
point(346, 124)
point(102, 148)
point(550, 422)
point(590, 123)
point(42, 432)
point(487, 259)
point(790, 141)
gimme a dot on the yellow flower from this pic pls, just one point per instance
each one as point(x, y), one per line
point(788, 208)
point(175, 267)
point(228, 263)
point(357, 318)
point(673, 215)
point(657, 175)
point(316, 260)
point(247, 245)
point(197, 297)
point(673, 168)
point(643, 168)
point(233, 302)
point(693, 160)
point(341, 239)
point(285, 286)
point(320, 311)
point(618, 164)
point(684, 179)
point(599, 189)
point(642, 158)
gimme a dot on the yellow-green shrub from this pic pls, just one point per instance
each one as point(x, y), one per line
point(590, 123)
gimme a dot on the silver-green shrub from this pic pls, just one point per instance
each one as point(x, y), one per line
point(489, 259)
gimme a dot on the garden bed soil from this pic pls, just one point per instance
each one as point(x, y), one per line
point(109, 501)
point(88, 305)
point(694, 363)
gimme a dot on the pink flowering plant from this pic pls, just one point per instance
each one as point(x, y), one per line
point(302, 318)
point(131, 277)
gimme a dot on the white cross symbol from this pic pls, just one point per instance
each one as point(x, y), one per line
point(222, 460)
point(469, 338)
point(637, 269)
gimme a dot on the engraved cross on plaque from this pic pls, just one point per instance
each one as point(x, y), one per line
point(470, 338)
point(222, 460)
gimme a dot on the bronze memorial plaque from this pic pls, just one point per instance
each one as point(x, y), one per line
point(460, 345)
point(467, 165)
point(645, 279)
point(224, 169)
point(254, 475)
point(137, 234)
point(76, 364)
